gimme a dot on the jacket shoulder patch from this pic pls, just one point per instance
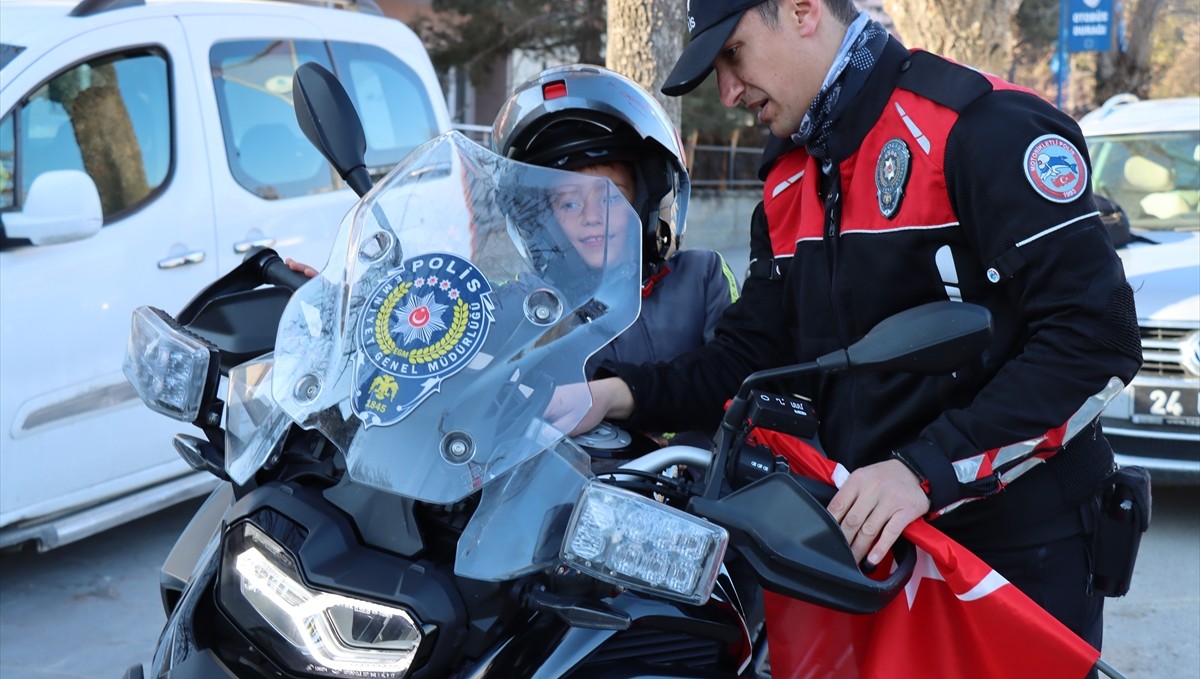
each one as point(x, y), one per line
point(1055, 168)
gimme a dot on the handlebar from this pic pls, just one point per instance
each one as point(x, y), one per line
point(259, 266)
point(664, 458)
point(275, 271)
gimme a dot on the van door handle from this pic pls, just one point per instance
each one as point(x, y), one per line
point(193, 257)
point(243, 246)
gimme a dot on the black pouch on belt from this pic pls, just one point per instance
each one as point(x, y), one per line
point(1122, 514)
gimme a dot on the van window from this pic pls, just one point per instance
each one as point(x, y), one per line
point(7, 162)
point(392, 101)
point(109, 117)
point(268, 155)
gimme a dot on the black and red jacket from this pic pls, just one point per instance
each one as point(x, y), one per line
point(828, 263)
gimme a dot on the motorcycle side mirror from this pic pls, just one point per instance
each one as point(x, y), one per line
point(331, 123)
point(931, 339)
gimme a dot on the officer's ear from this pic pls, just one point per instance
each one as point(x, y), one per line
point(807, 14)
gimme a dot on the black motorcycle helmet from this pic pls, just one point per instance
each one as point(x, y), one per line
point(572, 117)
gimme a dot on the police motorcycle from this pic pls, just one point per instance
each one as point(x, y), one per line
point(401, 498)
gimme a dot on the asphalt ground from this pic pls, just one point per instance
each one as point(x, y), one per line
point(90, 609)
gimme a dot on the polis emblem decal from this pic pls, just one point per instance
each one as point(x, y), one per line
point(891, 175)
point(424, 323)
point(1055, 168)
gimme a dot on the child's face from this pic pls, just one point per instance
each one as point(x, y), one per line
point(582, 211)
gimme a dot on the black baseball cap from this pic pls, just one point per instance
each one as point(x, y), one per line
point(710, 23)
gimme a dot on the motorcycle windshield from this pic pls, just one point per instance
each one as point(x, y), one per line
point(444, 342)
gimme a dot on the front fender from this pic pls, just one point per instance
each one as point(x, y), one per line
point(185, 556)
point(178, 642)
point(202, 665)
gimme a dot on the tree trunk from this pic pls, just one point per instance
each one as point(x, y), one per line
point(103, 129)
point(591, 46)
point(1132, 70)
point(644, 39)
point(978, 33)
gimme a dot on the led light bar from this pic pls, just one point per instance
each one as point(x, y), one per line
point(168, 366)
point(633, 541)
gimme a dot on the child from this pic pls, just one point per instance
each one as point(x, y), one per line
point(593, 121)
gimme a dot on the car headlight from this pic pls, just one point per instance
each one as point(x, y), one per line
point(171, 369)
point(254, 422)
point(635, 542)
point(332, 634)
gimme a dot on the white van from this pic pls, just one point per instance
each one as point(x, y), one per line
point(144, 148)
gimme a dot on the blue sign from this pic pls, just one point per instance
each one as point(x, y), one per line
point(1089, 25)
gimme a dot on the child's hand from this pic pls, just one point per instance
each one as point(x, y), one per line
point(301, 268)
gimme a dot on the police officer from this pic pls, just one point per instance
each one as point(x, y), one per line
point(903, 178)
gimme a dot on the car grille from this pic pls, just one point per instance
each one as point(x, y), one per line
point(1162, 352)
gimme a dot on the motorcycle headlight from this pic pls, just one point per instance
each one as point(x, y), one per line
point(330, 634)
point(171, 369)
point(635, 542)
point(254, 422)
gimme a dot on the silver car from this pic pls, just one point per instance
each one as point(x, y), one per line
point(1146, 158)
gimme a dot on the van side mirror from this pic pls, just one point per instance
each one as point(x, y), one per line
point(61, 206)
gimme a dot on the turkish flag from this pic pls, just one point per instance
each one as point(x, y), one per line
point(956, 618)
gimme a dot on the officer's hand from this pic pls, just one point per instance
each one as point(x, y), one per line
point(875, 504)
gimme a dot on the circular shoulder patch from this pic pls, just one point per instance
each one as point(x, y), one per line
point(1055, 168)
point(891, 174)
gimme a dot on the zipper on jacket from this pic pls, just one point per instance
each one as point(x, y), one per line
point(831, 194)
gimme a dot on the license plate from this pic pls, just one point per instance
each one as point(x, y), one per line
point(1178, 406)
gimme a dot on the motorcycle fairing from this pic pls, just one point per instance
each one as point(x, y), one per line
point(479, 411)
point(522, 517)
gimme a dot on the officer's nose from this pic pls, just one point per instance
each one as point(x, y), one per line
point(730, 87)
